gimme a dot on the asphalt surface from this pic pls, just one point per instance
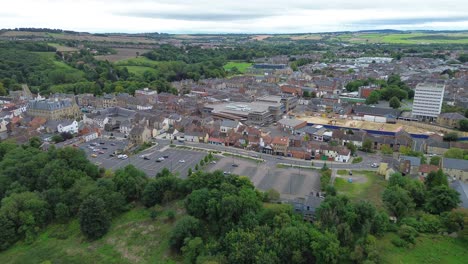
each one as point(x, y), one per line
point(290, 182)
point(177, 161)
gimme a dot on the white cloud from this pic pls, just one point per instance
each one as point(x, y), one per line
point(223, 16)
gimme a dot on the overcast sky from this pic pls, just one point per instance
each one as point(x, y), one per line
point(234, 16)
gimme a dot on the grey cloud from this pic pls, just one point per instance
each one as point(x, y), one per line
point(408, 21)
point(198, 16)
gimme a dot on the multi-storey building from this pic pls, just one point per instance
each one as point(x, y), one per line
point(54, 109)
point(427, 102)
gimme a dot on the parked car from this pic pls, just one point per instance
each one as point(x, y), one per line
point(235, 165)
point(166, 156)
point(146, 158)
point(161, 159)
point(374, 165)
point(112, 144)
point(94, 155)
point(182, 161)
point(101, 152)
point(213, 162)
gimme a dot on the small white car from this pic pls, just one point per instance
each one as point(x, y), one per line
point(182, 161)
point(161, 158)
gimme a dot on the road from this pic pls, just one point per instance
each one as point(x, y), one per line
point(270, 160)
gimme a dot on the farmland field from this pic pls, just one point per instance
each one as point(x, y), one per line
point(122, 54)
point(406, 38)
point(241, 66)
point(62, 48)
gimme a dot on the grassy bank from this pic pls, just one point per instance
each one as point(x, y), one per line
point(369, 187)
point(133, 238)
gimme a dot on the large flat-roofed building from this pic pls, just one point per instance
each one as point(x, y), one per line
point(427, 102)
point(288, 102)
point(254, 113)
point(54, 109)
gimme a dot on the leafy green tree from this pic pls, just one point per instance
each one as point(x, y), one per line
point(454, 153)
point(187, 227)
point(464, 125)
point(463, 58)
point(189, 172)
point(397, 200)
point(57, 138)
point(62, 212)
point(435, 161)
point(386, 149)
point(192, 249)
point(435, 179)
point(130, 182)
point(94, 218)
point(442, 199)
point(8, 234)
point(272, 195)
point(306, 94)
point(3, 91)
point(453, 136)
point(27, 211)
point(35, 142)
point(373, 98)
point(163, 189)
point(367, 145)
point(325, 247)
point(394, 102)
point(351, 147)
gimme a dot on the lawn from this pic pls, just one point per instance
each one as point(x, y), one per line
point(429, 249)
point(140, 61)
point(139, 70)
point(370, 190)
point(241, 66)
point(133, 238)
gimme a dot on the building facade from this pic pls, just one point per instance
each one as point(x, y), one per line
point(427, 102)
point(54, 109)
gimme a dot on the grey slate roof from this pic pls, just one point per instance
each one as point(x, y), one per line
point(229, 123)
point(462, 189)
point(454, 116)
point(415, 161)
point(49, 105)
point(455, 164)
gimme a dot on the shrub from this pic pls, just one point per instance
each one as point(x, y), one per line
point(171, 215)
point(357, 160)
point(407, 233)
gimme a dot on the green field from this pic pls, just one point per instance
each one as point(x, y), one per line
point(241, 66)
point(139, 70)
point(140, 61)
point(429, 249)
point(133, 238)
point(405, 38)
point(370, 190)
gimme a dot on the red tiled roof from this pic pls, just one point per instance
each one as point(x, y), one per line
point(426, 168)
point(280, 140)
